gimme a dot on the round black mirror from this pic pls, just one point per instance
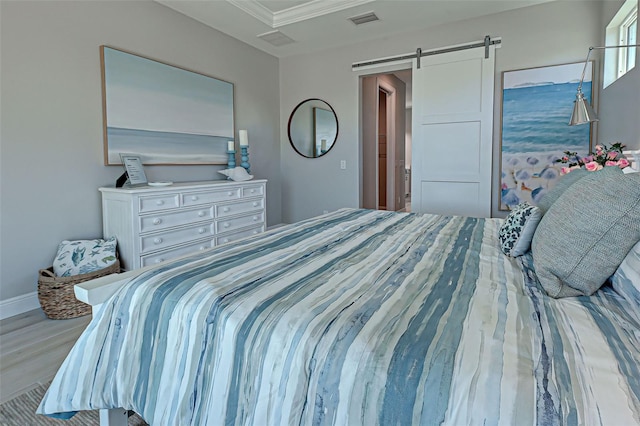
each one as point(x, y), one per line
point(313, 128)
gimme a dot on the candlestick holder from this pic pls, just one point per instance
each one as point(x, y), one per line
point(244, 158)
point(231, 162)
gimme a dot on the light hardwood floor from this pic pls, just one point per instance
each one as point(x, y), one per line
point(32, 347)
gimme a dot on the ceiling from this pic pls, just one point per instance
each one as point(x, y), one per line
point(313, 25)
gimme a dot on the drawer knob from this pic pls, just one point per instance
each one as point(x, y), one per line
point(194, 198)
point(255, 204)
point(255, 218)
point(202, 214)
point(226, 224)
point(202, 230)
point(159, 202)
point(157, 240)
point(158, 260)
point(225, 240)
point(226, 209)
point(157, 221)
point(230, 193)
point(253, 191)
point(202, 248)
point(255, 232)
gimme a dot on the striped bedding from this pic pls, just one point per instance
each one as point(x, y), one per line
point(356, 318)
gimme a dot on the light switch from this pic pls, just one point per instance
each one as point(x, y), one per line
point(343, 164)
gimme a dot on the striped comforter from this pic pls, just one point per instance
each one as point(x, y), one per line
point(356, 318)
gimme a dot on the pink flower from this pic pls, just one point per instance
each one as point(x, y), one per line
point(612, 155)
point(565, 170)
point(598, 147)
point(611, 163)
point(588, 159)
point(623, 162)
point(591, 166)
point(565, 159)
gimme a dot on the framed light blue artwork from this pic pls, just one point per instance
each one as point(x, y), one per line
point(162, 113)
point(536, 107)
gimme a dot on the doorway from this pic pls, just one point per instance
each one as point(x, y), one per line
point(449, 154)
point(383, 117)
point(384, 140)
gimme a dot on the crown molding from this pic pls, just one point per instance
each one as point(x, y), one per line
point(302, 12)
point(313, 9)
point(255, 9)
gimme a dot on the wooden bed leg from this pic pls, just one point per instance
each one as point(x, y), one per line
point(114, 417)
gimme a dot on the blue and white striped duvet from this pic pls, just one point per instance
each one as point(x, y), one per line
point(356, 318)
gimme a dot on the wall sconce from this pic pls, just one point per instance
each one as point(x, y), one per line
point(582, 111)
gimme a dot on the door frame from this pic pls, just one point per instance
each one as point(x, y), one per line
point(391, 143)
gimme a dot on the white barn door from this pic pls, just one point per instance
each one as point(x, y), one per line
point(452, 133)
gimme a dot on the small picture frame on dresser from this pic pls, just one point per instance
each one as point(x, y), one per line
point(134, 170)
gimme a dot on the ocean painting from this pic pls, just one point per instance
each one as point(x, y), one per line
point(536, 107)
point(164, 114)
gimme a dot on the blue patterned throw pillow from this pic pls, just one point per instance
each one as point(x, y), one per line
point(518, 228)
point(84, 256)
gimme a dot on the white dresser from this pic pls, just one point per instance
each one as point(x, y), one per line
point(154, 224)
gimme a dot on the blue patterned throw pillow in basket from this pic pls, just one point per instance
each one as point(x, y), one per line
point(518, 228)
point(84, 256)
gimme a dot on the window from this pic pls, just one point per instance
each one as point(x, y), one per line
point(628, 35)
point(622, 30)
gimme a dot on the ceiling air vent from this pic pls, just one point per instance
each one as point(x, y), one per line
point(276, 38)
point(363, 19)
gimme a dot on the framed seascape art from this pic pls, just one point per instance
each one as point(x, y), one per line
point(162, 113)
point(536, 107)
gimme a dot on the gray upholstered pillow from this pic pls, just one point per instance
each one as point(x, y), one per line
point(587, 232)
point(558, 189)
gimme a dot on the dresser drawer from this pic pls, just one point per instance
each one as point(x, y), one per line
point(153, 259)
point(238, 235)
point(252, 191)
point(223, 210)
point(158, 241)
point(198, 198)
point(227, 225)
point(163, 220)
point(158, 202)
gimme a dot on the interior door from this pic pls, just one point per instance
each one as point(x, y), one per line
point(452, 133)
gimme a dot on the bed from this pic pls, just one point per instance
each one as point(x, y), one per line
point(357, 317)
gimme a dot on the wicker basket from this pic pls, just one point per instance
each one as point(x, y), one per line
point(56, 294)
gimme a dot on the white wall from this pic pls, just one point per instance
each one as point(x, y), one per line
point(51, 105)
point(620, 124)
point(547, 34)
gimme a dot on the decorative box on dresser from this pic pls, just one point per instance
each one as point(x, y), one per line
point(154, 224)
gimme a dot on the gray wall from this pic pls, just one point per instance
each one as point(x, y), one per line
point(51, 104)
point(551, 33)
point(620, 124)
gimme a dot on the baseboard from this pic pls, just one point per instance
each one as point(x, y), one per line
point(18, 305)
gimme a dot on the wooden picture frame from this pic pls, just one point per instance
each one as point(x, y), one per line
point(536, 108)
point(162, 113)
